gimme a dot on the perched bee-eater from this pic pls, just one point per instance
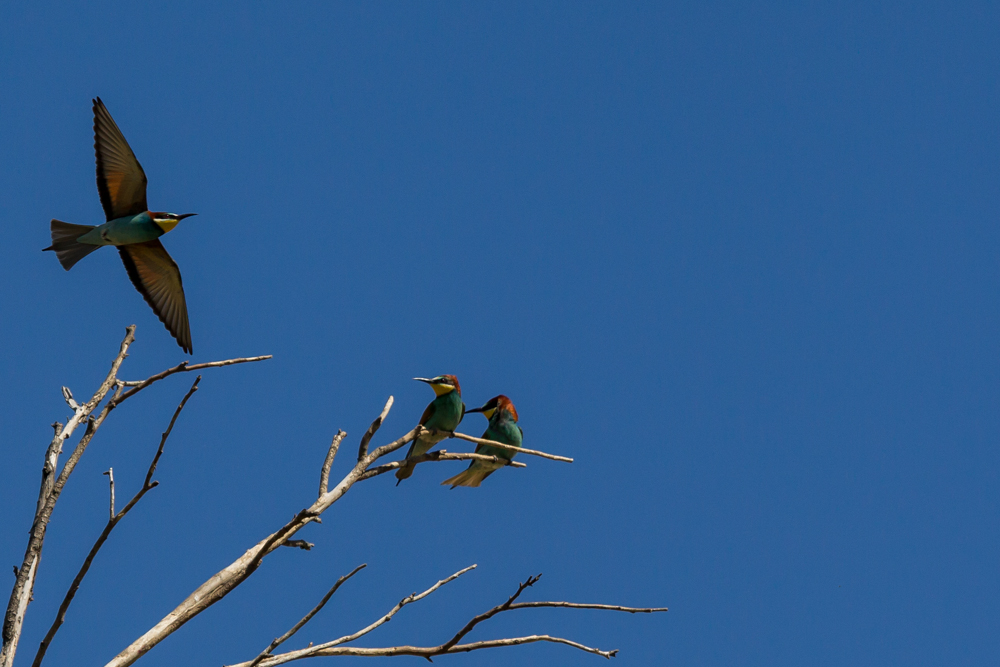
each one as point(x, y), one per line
point(131, 227)
point(444, 413)
point(503, 428)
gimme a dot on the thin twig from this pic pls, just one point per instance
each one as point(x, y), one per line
point(112, 522)
point(336, 648)
point(182, 367)
point(512, 448)
point(439, 455)
point(49, 493)
point(305, 619)
point(166, 434)
point(410, 599)
point(578, 605)
point(111, 481)
point(324, 475)
point(429, 652)
point(476, 620)
point(366, 438)
point(51, 488)
point(298, 544)
point(221, 583)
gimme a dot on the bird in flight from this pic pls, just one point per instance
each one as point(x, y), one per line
point(443, 414)
point(131, 227)
point(503, 428)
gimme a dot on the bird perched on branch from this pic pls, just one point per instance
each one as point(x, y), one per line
point(502, 428)
point(443, 414)
point(131, 227)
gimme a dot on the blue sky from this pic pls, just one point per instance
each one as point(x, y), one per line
point(740, 261)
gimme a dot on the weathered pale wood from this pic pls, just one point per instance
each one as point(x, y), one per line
point(52, 485)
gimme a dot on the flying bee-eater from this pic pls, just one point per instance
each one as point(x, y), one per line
point(131, 227)
point(443, 414)
point(502, 428)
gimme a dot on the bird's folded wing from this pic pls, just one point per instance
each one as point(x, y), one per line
point(428, 413)
point(158, 279)
point(120, 178)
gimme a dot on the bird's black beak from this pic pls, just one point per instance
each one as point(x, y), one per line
point(475, 409)
point(427, 380)
point(185, 215)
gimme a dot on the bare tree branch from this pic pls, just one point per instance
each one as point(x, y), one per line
point(305, 619)
point(512, 448)
point(439, 455)
point(111, 482)
point(117, 391)
point(52, 460)
point(219, 585)
point(578, 605)
point(182, 367)
point(429, 652)
point(324, 474)
point(489, 614)
point(112, 522)
point(51, 489)
point(312, 651)
point(48, 494)
point(336, 648)
point(299, 544)
point(366, 438)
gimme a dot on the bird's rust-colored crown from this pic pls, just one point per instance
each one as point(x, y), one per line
point(454, 381)
point(504, 403)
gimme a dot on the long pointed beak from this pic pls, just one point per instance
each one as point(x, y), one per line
point(185, 215)
point(427, 380)
point(475, 410)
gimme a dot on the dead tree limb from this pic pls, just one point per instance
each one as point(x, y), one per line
point(220, 584)
point(111, 483)
point(439, 455)
point(337, 648)
point(113, 392)
point(112, 522)
point(48, 495)
point(52, 485)
point(367, 437)
point(324, 473)
point(182, 367)
point(510, 448)
point(305, 619)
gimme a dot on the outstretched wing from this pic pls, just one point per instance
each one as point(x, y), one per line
point(158, 279)
point(121, 181)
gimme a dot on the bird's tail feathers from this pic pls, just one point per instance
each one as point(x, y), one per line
point(472, 476)
point(404, 472)
point(65, 244)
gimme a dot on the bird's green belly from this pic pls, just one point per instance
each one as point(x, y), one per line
point(123, 231)
point(448, 413)
point(506, 432)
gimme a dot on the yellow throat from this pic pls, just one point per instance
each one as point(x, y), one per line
point(441, 389)
point(166, 224)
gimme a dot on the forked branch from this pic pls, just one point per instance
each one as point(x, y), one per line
point(182, 367)
point(337, 646)
point(147, 485)
point(308, 617)
point(53, 484)
point(219, 585)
